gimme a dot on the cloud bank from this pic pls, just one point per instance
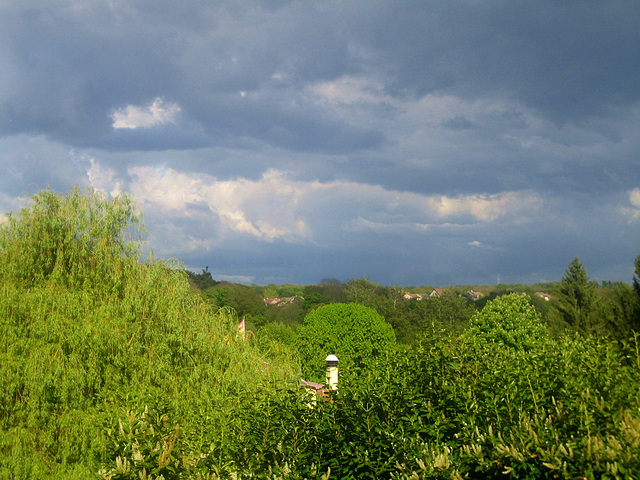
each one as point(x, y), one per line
point(422, 143)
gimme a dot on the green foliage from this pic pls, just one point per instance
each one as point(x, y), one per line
point(576, 297)
point(137, 377)
point(78, 354)
point(145, 443)
point(356, 334)
point(411, 319)
point(615, 310)
point(276, 332)
point(636, 289)
point(564, 409)
point(636, 276)
point(241, 298)
point(329, 290)
point(363, 291)
point(79, 240)
point(509, 321)
point(314, 300)
point(444, 313)
point(285, 314)
point(278, 291)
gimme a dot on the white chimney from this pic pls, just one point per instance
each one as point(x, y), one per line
point(332, 372)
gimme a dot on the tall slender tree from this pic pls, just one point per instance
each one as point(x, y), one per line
point(636, 276)
point(636, 288)
point(576, 296)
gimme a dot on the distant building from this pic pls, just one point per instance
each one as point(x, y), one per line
point(415, 296)
point(475, 296)
point(281, 301)
point(546, 296)
point(315, 390)
point(436, 293)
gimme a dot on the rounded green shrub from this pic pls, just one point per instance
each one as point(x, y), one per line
point(509, 320)
point(354, 333)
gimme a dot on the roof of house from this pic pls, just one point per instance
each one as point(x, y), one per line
point(415, 296)
point(475, 295)
point(280, 301)
point(313, 385)
point(315, 388)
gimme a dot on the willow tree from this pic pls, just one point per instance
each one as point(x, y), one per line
point(80, 240)
point(92, 339)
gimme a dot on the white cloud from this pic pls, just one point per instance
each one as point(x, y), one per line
point(157, 113)
point(486, 207)
point(350, 90)
point(103, 179)
point(361, 224)
point(265, 208)
point(190, 213)
point(11, 204)
point(480, 245)
point(278, 207)
point(634, 197)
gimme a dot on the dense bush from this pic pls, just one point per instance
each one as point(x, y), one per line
point(103, 359)
point(355, 333)
point(509, 320)
point(564, 409)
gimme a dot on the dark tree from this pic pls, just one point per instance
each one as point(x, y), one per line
point(203, 280)
point(636, 277)
point(448, 313)
point(636, 288)
point(616, 310)
point(576, 296)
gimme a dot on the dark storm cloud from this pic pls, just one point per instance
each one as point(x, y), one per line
point(74, 63)
point(567, 59)
point(371, 101)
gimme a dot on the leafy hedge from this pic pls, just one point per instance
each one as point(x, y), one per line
point(568, 409)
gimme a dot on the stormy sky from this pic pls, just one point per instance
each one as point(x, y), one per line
point(412, 143)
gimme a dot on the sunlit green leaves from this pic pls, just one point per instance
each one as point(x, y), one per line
point(509, 320)
point(355, 333)
point(88, 332)
point(82, 240)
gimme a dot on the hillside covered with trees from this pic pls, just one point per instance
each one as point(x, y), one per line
point(573, 304)
point(116, 366)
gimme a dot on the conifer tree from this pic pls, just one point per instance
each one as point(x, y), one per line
point(576, 296)
point(636, 276)
point(636, 288)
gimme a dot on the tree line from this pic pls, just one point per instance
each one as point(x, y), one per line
point(575, 304)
